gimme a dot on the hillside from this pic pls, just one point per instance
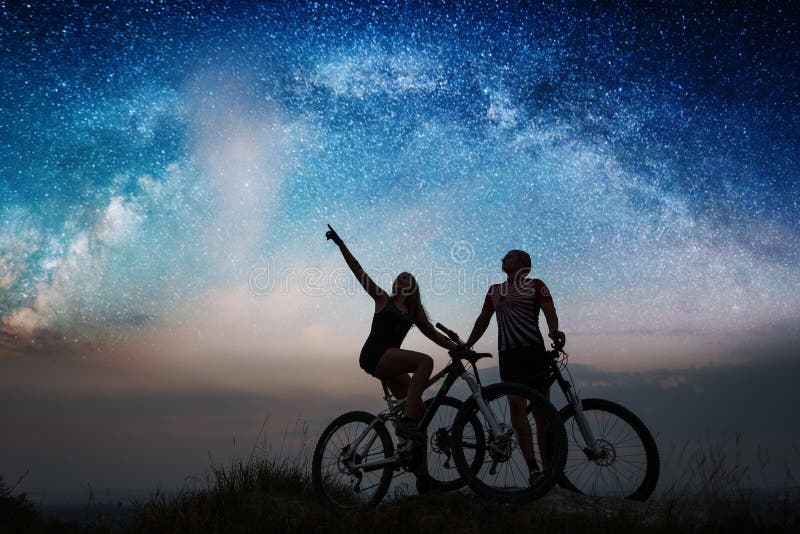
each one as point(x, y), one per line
point(276, 497)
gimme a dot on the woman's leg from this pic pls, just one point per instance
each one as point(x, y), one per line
point(398, 385)
point(396, 362)
point(401, 386)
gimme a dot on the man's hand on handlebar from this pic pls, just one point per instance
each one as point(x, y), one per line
point(559, 339)
point(459, 351)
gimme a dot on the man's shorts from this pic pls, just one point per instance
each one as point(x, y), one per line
point(528, 366)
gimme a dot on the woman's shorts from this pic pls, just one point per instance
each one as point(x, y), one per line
point(370, 356)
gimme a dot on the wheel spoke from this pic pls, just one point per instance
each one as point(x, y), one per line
point(624, 468)
point(347, 486)
point(439, 450)
point(504, 473)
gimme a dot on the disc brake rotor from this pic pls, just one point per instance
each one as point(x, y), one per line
point(608, 454)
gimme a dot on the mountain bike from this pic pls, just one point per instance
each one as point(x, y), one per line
point(356, 456)
point(611, 452)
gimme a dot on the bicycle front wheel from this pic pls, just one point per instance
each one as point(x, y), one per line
point(534, 433)
point(628, 464)
point(340, 469)
point(441, 464)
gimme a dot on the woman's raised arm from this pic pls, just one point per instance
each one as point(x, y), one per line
point(373, 289)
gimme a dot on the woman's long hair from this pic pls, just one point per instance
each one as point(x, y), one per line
point(416, 311)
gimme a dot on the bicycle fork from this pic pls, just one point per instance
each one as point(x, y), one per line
point(489, 416)
point(592, 450)
point(482, 406)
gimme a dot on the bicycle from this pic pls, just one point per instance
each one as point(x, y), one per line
point(611, 452)
point(356, 456)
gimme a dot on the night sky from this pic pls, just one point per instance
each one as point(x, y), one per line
point(167, 172)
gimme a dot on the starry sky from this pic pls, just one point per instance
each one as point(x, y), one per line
point(167, 171)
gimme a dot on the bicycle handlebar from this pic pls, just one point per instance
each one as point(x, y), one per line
point(452, 335)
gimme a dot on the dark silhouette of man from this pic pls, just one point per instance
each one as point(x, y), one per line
point(523, 356)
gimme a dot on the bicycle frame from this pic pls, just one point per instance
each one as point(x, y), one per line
point(452, 372)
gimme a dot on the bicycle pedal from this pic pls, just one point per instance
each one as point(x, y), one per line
point(493, 469)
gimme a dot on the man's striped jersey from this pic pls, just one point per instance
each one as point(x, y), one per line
point(517, 308)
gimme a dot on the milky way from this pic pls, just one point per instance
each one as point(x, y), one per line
point(647, 158)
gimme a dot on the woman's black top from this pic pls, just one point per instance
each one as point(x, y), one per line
point(389, 329)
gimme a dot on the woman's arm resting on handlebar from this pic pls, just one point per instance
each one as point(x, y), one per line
point(431, 333)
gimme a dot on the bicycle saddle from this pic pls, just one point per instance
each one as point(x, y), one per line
point(386, 392)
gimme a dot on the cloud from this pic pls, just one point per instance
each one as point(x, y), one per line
point(64, 294)
point(123, 438)
point(737, 411)
point(46, 346)
point(741, 409)
point(119, 223)
point(19, 239)
point(154, 238)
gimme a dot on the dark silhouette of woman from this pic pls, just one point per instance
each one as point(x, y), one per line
point(382, 356)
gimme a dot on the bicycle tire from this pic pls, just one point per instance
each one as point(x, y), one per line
point(639, 467)
point(513, 484)
point(333, 481)
point(441, 464)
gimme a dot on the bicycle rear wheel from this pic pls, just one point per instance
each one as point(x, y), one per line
point(335, 469)
point(628, 465)
point(504, 473)
point(441, 464)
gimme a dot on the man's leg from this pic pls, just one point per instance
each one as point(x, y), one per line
point(542, 438)
point(525, 367)
point(538, 382)
point(521, 425)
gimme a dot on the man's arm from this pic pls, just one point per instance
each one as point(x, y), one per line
point(481, 324)
point(549, 311)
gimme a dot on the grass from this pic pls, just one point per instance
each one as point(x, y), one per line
point(268, 494)
point(272, 492)
point(276, 496)
point(15, 510)
point(716, 482)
